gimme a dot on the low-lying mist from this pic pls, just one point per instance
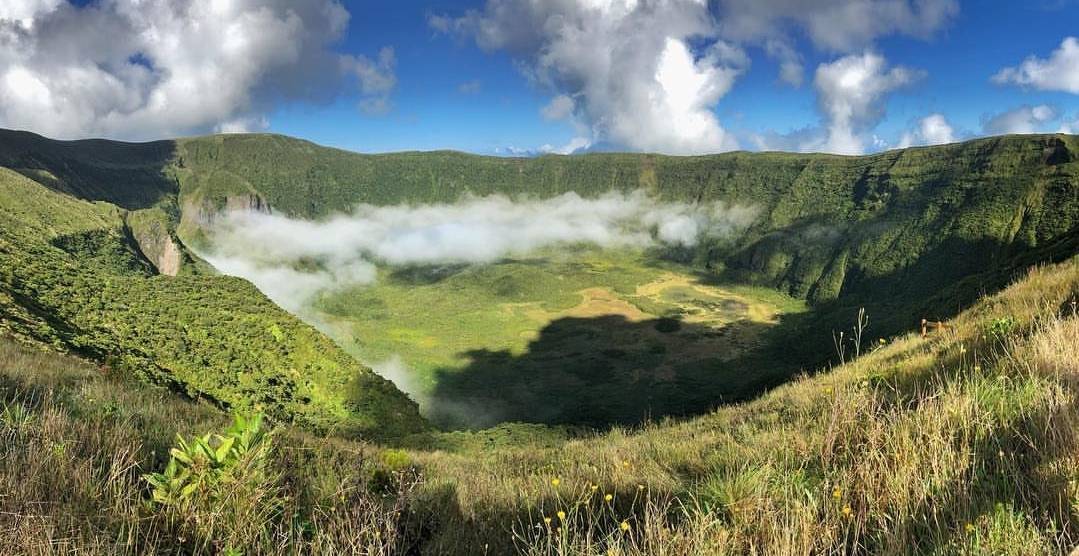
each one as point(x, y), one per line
point(292, 260)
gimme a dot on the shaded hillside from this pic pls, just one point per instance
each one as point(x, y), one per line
point(125, 174)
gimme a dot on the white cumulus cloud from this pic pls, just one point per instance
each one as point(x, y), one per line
point(140, 69)
point(1059, 72)
point(24, 11)
point(933, 129)
point(650, 74)
point(627, 66)
point(835, 25)
point(850, 93)
point(839, 26)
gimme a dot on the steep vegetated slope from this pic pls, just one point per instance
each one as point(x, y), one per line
point(127, 175)
point(79, 276)
point(908, 233)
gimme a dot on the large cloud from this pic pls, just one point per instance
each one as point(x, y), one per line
point(147, 68)
point(850, 92)
point(1060, 72)
point(835, 25)
point(850, 97)
point(624, 69)
point(842, 26)
point(649, 74)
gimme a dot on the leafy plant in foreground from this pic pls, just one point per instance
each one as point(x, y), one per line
point(205, 466)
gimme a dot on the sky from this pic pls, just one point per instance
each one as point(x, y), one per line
point(527, 77)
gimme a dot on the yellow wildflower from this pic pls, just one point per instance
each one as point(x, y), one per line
point(624, 525)
point(625, 463)
point(846, 511)
point(836, 493)
point(556, 481)
point(561, 515)
point(594, 488)
point(608, 497)
point(547, 520)
point(969, 527)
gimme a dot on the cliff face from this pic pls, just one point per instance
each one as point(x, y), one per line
point(152, 234)
point(198, 214)
point(150, 230)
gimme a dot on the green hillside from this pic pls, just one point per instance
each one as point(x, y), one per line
point(933, 227)
point(96, 225)
point(73, 276)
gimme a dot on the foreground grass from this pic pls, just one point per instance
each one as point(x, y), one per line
point(963, 443)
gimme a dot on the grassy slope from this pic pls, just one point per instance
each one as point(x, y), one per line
point(71, 277)
point(963, 443)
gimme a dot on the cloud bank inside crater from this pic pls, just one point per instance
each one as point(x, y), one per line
point(293, 260)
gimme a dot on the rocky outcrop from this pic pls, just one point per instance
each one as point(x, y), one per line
point(202, 213)
point(150, 230)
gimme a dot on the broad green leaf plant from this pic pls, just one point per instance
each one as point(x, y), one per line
point(202, 465)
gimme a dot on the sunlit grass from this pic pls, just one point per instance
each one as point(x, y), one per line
point(961, 443)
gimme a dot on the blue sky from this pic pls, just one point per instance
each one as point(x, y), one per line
point(677, 76)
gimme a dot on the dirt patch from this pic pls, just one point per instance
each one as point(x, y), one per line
point(602, 301)
point(702, 304)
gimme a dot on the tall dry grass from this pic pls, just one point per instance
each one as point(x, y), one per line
point(961, 443)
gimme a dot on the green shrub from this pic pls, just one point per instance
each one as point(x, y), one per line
point(206, 466)
point(218, 490)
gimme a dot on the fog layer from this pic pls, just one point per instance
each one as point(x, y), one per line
point(291, 260)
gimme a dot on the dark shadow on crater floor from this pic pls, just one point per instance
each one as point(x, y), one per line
point(609, 370)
